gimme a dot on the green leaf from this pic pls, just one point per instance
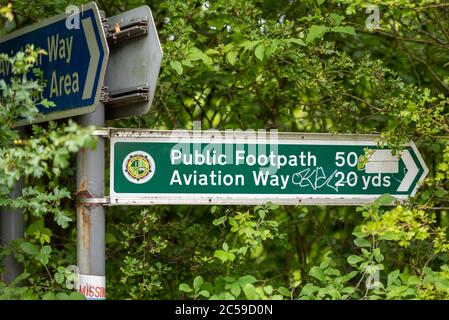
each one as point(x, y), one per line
point(250, 291)
point(308, 289)
point(76, 296)
point(440, 193)
point(260, 52)
point(184, 287)
point(211, 52)
point(29, 248)
point(228, 296)
point(187, 63)
point(392, 277)
point(344, 29)
point(47, 103)
point(20, 278)
point(207, 60)
point(317, 273)
point(378, 255)
point(296, 41)
point(60, 159)
point(46, 250)
point(389, 236)
point(324, 264)
point(62, 296)
point(261, 214)
point(441, 283)
point(232, 222)
point(231, 57)
point(204, 293)
point(413, 281)
point(224, 256)
point(235, 289)
point(336, 19)
point(361, 242)
point(62, 219)
point(59, 278)
point(207, 286)
point(243, 250)
point(227, 48)
point(247, 279)
point(248, 45)
point(332, 272)
point(284, 291)
point(384, 199)
point(268, 290)
point(353, 259)
point(425, 195)
point(316, 32)
point(195, 55)
point(219, 221)
point(110, 238)
point(358, 233)
point(198, 282)
point(49, 296)
point(348, 290)
point(42, 258)
point(436, 147)
point(177, 66)
point(38, 226)
point(348, 276)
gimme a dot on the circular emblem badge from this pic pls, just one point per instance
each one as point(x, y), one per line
point(138, 167)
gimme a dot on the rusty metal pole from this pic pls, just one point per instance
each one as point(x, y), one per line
point(12, 228)
point(12, 222)
point(90, 213)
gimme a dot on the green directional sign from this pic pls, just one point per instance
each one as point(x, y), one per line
point(172, 167)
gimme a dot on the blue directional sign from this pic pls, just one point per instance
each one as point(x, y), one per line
point(74, 66)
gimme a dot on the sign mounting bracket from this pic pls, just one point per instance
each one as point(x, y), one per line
point(123, 32)
point(127, 95)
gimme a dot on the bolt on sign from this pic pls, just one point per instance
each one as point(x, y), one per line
point(226, 167)
point(75, 63)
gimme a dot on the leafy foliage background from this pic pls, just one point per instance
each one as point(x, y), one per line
point(310, 66)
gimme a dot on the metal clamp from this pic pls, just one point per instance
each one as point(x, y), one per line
point(104, 93)
point(93, 201)
point(129, 95)
point(119, 33)
point(102, 132)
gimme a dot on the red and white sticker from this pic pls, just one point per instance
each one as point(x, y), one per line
point(92, 287)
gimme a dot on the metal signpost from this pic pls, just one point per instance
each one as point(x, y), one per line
point(12, 227)
point(90, 215)
point(74, 66)
point(168, 167)
point(129, 87)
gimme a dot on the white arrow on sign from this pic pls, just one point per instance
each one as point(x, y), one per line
point(94, 57)
point(383, 161)
point(412, 171)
